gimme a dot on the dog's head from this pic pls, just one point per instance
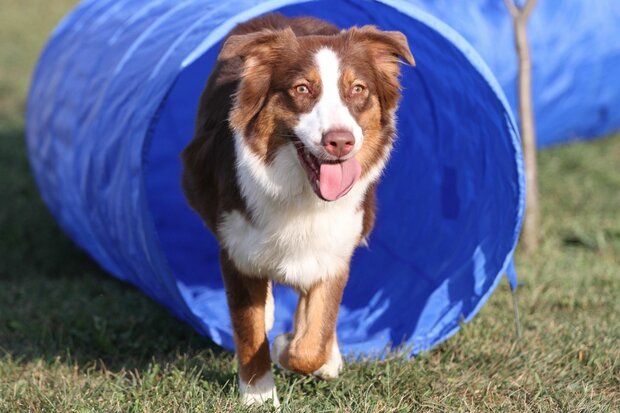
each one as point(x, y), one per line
point(323, 105)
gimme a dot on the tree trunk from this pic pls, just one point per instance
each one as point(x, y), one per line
point(531, 223)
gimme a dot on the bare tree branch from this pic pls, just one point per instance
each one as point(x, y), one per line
point(530, 235)
point(512, 8)
point(520, 12)
point(527, 8)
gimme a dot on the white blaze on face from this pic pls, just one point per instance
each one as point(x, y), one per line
point(330, 112)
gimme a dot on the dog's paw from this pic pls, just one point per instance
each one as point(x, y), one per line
point(279, 346)
point(259, 391)
point(334, 365)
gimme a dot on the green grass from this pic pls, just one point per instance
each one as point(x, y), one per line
point(72, 339)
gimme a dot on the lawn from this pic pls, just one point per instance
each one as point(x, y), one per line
point(72, 339)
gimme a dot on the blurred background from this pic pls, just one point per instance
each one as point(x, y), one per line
point(74, 339)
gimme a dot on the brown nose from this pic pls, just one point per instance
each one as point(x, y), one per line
point(338, 142)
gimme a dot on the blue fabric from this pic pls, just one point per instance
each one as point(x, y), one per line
point(112, 104)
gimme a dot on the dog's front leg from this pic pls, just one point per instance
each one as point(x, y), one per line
point(246, 301)
point(312, 347)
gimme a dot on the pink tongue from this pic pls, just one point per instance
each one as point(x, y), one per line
point(335, 180)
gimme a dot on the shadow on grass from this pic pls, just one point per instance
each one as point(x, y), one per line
point(57, 304)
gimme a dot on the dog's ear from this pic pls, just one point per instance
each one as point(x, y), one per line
point(258, 52)
point(262, 44)
point(388, 49)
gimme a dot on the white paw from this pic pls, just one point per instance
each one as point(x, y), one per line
point(333, 366)
point(258, 391)
point(278, 346)
point(270, 309)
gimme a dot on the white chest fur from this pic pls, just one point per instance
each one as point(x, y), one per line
point(294, 237)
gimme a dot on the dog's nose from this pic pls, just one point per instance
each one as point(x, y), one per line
point(338, 142)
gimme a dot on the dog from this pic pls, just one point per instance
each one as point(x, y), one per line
point(294, 128)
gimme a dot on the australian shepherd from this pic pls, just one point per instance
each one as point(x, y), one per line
point(294, 128)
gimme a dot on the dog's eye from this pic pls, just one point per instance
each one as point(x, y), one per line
point(357, 89)
point(302, 89)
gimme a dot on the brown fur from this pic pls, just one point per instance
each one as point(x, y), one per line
point(246, 302)
point(315, 326)
point(253, 87)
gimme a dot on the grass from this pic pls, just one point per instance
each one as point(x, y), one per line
point(73, 339)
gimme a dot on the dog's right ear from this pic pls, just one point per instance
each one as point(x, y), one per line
point(263, 44)
point(259, 52)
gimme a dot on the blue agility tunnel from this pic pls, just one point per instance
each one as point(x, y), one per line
point(112, 105)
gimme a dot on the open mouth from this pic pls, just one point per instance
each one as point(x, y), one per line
point(330, 180)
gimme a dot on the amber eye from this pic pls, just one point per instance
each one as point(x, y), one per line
point(357, 89)
point(302, 89)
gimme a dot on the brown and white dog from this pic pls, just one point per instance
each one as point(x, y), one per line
point(294, 128)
